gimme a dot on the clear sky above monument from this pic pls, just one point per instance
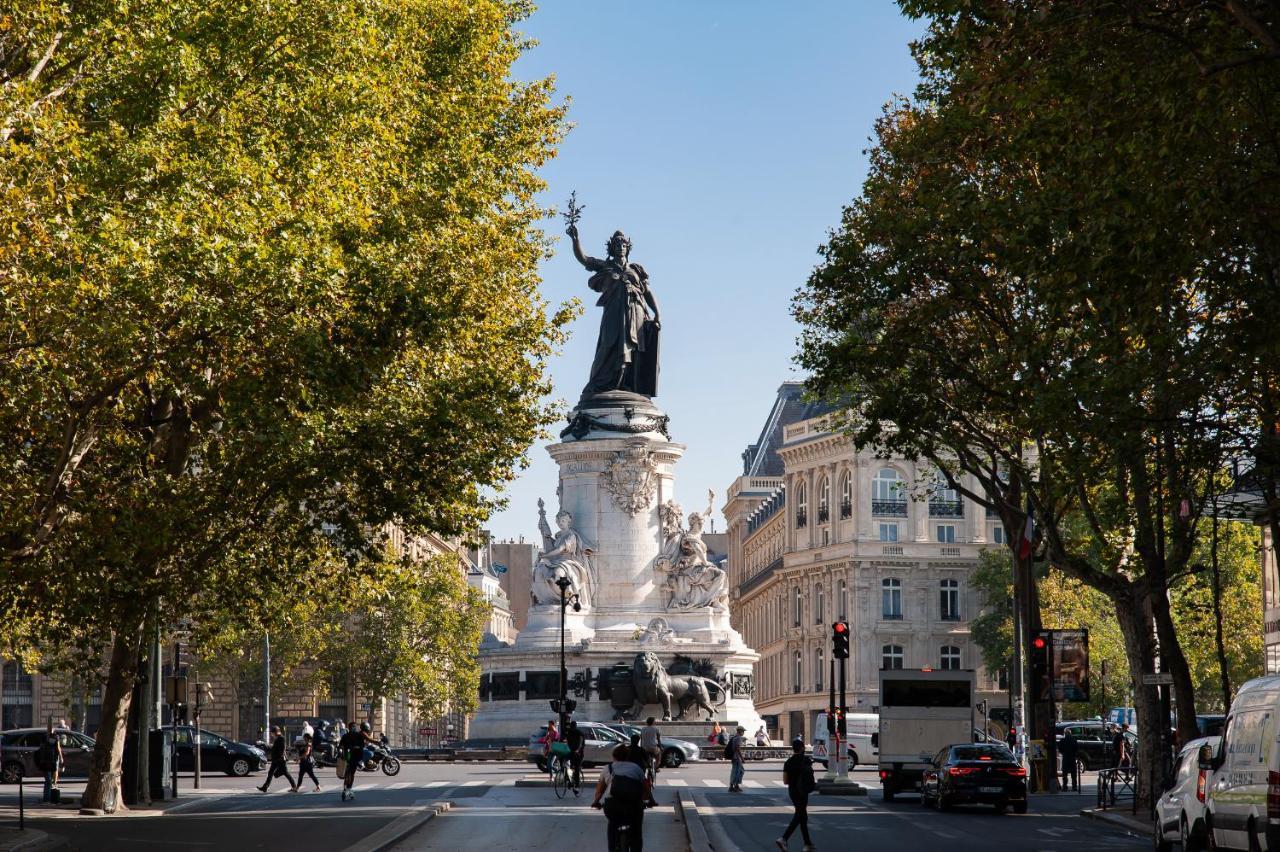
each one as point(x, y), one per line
point(724, 138)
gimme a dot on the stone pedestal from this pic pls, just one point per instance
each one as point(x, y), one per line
point(616, 468)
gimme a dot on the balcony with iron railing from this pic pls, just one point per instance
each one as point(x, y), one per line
point(946, 508)
point(846, 509)
point(802, 519)
point(889, 508)
point(824, 514)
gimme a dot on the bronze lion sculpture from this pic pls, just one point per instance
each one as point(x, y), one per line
point(654, 686)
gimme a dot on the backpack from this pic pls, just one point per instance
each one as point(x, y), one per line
point(625, 790)
point(46, 756)
point(730, 748)
point(807, 783)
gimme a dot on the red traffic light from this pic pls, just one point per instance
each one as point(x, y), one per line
point(840, 627)
point(1038, 643)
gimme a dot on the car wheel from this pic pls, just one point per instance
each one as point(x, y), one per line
point(943, 804)
point(11, 772)
point(1019, 807)
point(1190, 842)
point(240, 767)
point(672, 758)
point(853, 759)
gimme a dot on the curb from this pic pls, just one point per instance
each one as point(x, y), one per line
point(695, 831)
point(713, 833)
point(1130, 823)
point(33, 839)
point(400, 828)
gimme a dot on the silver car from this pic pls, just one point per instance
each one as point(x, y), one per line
point(674, 751)
point(600, 743)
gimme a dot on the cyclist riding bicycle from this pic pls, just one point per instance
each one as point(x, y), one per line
point(621, 793)
point(577, 750)
point(551, 736)
point(651, 742)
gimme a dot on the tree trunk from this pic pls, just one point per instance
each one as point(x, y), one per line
point(1220, 645)
point(1136, 626)
point(1175, 663)
point(103, 788)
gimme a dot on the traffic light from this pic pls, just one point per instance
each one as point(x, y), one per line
point(840, 640)
point(1041, 648)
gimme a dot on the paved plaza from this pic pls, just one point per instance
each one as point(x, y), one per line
point(489, 811)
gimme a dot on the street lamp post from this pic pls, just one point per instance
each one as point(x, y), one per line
point(566, 599)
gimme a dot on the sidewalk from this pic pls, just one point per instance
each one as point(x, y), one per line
point(1085, 803)
point(31, 840)
point(540, 821)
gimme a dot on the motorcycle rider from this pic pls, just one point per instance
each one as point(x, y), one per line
point(366, 731)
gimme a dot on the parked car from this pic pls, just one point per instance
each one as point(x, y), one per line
point(1094, 749)
point(1179, 812)
point(1243, 806)
point(674, 751)
point(975, 773)
point(18, 748)
point(217, 754)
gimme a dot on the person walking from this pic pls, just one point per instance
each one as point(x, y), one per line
point(651, 742)
point(350, 754)
point(306, 761)
point(278, 764)
point(621, 793)
point(48, 759)
point(1120, 746)
point(762, 738)
point(551, 736)
point(797, 774)
point(1069, 748)
point(733, 751)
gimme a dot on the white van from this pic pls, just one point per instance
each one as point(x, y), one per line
point(861, 740)
point(1243, 808)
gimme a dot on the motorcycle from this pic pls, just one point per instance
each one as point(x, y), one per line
point(382, 757)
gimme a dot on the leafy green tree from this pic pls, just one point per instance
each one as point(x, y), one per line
point(1031, 289)
point(273, 286)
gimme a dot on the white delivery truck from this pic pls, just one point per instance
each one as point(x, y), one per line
point(921, 711)
point(1243, 801)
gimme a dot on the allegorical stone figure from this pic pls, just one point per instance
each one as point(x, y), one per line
point(692, 581)
point(627, 348)
point(567, 554)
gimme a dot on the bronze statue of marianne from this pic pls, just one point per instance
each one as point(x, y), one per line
point(627, 349)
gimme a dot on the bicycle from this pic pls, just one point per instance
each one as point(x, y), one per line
point(558, 764)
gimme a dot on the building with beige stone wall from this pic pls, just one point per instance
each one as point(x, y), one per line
point(818, 533)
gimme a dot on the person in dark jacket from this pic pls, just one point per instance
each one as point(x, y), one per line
point(278, 765)
point(797, 774)
point(307, 761)
point(1069, 749)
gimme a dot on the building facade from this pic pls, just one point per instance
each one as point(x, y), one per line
point(818, 533)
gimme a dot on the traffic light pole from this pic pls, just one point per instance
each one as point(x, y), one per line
point(842, 753)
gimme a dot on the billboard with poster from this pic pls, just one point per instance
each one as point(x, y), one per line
point(1070, 661)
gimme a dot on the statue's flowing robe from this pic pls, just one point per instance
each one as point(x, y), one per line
point(627, 348)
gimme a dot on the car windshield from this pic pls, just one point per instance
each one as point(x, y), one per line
point(980, 752)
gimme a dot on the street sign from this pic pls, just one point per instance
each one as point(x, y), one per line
point(1157, 679)
point(426, 732)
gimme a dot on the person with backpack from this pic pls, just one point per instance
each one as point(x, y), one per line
point(733, 752)
point(797, 774)
point(350, 754)
point(621, 793)
point(48, 759)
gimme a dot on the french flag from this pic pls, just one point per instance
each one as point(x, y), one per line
point(1028, 533)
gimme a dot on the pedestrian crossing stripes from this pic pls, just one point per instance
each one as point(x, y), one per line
point(474, 783)
point(755, 784)
point(676, 782)
point(437, 783)
point(400, 786)
point(711, 782)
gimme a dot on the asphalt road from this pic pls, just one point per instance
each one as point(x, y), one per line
point(229, 814)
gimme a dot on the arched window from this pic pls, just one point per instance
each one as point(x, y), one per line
point(949, 600)
point(818, 669)
point(846, 495)
point(891, 598)
point(802, 505)
point(891, 657)
point(799, 607)
point(797, 680)
point(887, 494)
point(819, 605)
point(824, 500)
point(944, 501)
point(843, 603)
point(950, 657)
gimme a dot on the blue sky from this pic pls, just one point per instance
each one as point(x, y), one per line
point(724, 137)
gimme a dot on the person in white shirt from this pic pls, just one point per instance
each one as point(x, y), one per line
point(762, 737)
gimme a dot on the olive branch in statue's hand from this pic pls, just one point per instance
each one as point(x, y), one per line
point(572, 214)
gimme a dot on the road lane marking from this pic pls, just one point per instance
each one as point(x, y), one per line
point(711, 782)
point(756, 784)
point(677, 782)
point(401, 785)
point(474, 783)
point(437, 783)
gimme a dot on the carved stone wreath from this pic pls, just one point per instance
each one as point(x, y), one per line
point(632, 479)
